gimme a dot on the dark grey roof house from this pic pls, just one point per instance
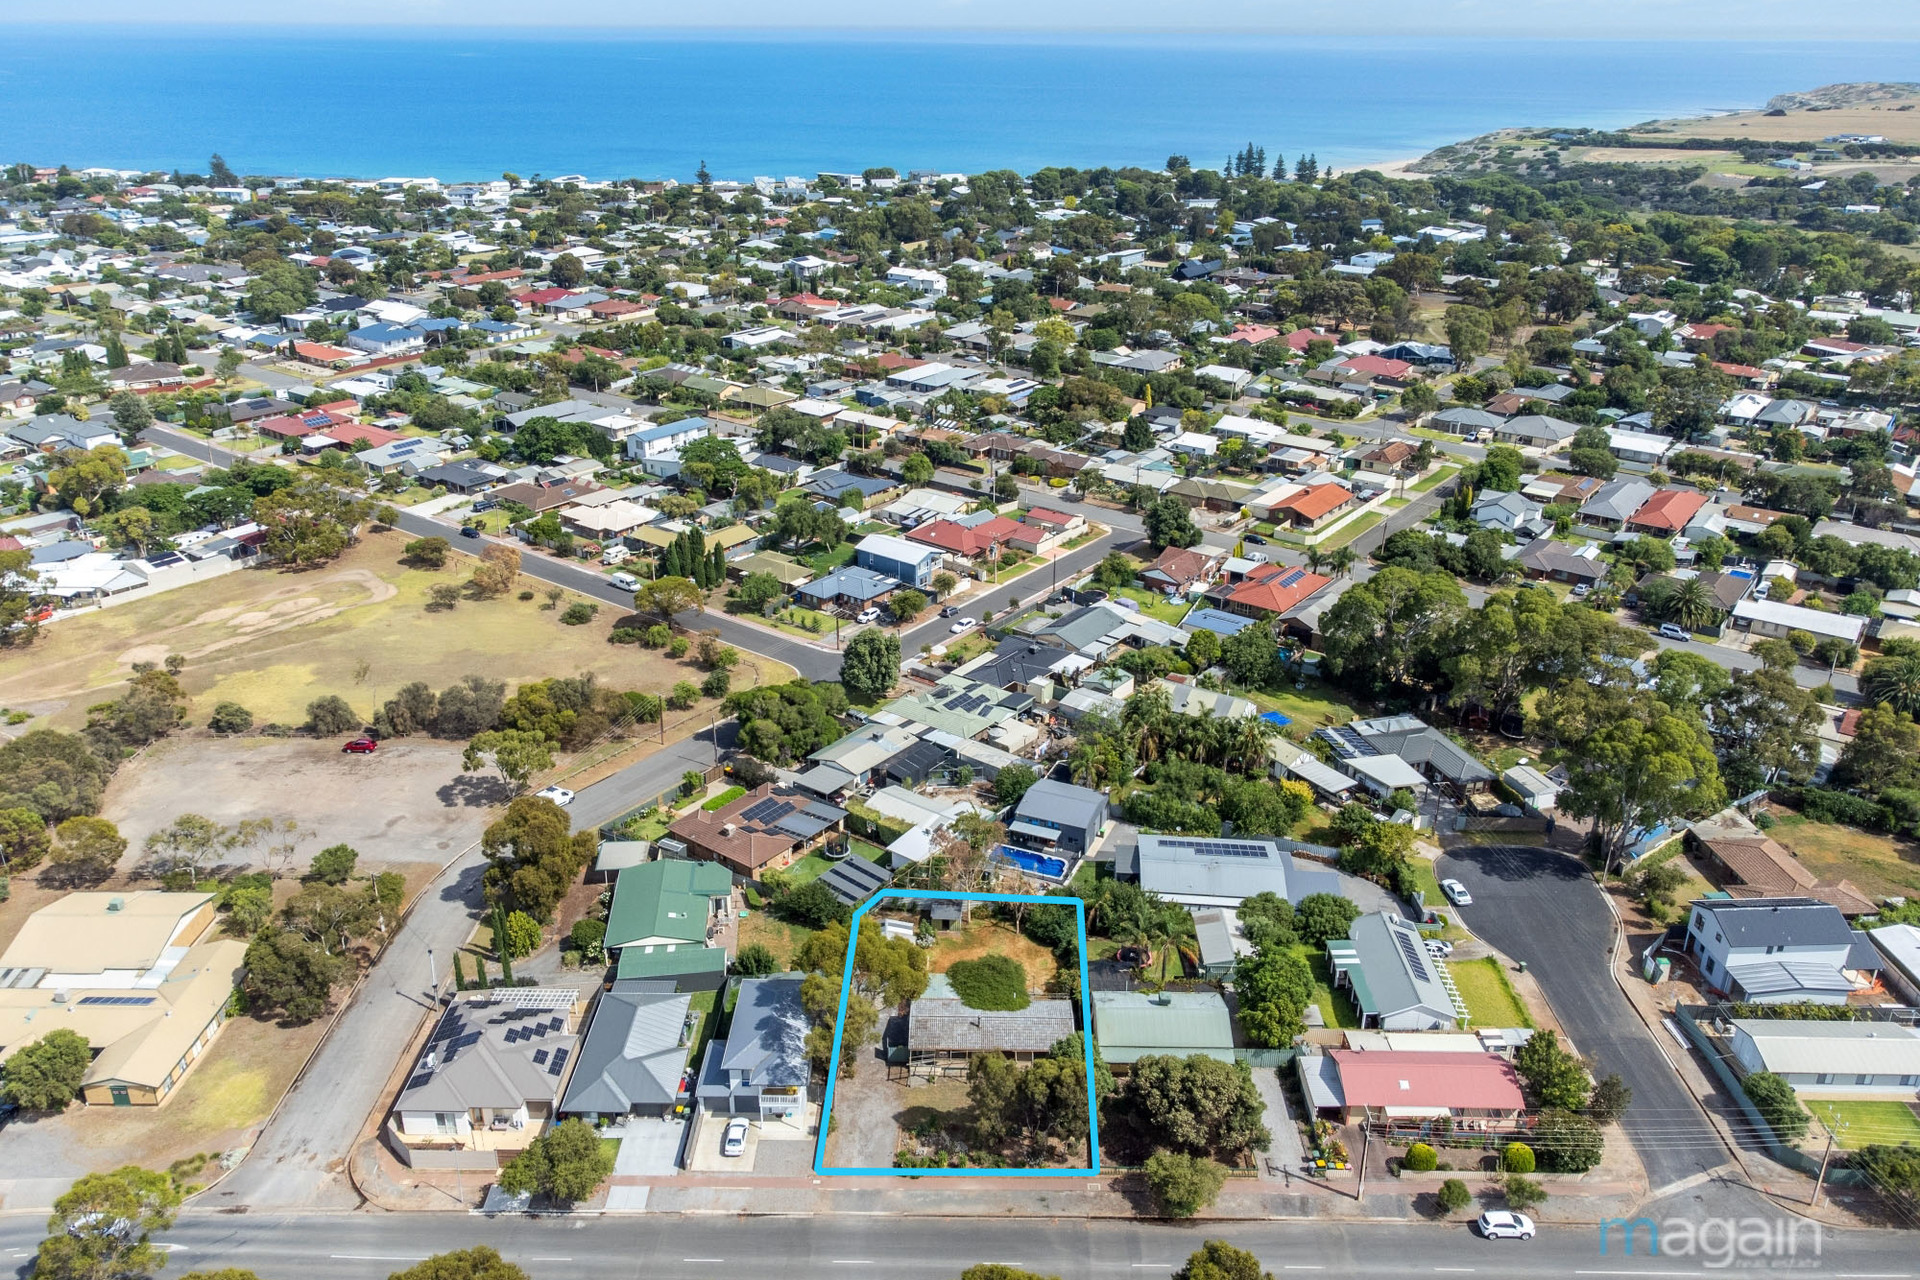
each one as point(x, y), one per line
point(633, 1058)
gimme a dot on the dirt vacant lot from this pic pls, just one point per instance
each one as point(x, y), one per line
point(274, 640)
point(408, 805)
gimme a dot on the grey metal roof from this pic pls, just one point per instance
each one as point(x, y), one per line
point(1778, 922)
point(634, 1054)
point(1205, 870)
point(492, 1052)
point(947, 1023)
point(768, 1035)
point(1078, 808)
point(1400, 974)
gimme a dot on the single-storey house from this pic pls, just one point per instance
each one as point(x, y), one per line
point(1396, 985)
point(1130, 1025)
point(633, 1060)
point(667, 903)
point(761, 829)
point(1833, 1059)
point(944, 1033)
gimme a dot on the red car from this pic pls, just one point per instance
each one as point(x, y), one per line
point(362, 746)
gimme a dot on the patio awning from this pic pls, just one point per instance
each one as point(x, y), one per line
point(1024, 828)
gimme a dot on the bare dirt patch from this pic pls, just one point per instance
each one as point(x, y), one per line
point(409, 804)
point(984, 937)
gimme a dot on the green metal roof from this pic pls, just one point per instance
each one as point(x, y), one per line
point(678, 963)
point(670, 898)
point(1133, 1024)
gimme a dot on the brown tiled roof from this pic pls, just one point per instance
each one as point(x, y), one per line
point(1766, 869)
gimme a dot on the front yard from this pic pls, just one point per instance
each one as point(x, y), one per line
point(1859, 1123)
point(1490, 998)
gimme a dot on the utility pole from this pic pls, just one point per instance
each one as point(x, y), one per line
point(1821, 1181)
point(1366, 1141)
point(433, 974)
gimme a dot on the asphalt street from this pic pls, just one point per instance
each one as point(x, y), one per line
point(1542, 907)
point(617, 1247)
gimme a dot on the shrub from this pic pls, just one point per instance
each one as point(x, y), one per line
point(684, 694)
point(677, 647)
point(522, 936)
point(1453, 1196)
point(625, 635)
point(331, 714)
point(717, 683)
point(1567, 1143)
point(1523, 1193)
point(578, 614)
point(1420, 1158)
point(1777, 1104)
point(991, 982)
point(1517, 1158)
point(230, 717)
point(1182, 1185)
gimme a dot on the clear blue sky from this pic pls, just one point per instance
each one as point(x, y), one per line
point(1611, 19)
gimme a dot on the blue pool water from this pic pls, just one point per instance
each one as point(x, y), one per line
point(1027, 860)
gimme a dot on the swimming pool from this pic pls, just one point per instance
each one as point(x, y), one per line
point(1038, 864)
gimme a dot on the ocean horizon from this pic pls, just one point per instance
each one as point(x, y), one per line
point(621, 104)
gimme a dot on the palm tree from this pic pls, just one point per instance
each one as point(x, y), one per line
point(1340, 560)
point(1145, 721)
point(1316, 558)
point(1251, 734)
point(1693, 605)
point(1893, 681)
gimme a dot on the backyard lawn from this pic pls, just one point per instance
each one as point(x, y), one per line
point(827, 561)
point(1155, 605)
point(991, 937)
point(1336, 1007)
point(815, 865)
point(1880, 865)
point(1313, 707)
point(1490, 999)
point(777, 936)
point(1859, 1123)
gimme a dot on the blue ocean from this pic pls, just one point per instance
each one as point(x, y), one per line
point(377, 103)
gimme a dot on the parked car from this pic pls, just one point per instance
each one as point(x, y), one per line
point(962, 624)
point(734, 1141)
point(867, 616)
point(1673, 631)
point(469, 531)
point(361, 747)
point(1256, 539)
point(1504, 1224)
point(623, 582)
point(1581, 590)
point(1439, 948)
point(485, 504)
point(559, 795)
point(950, 611)
point(1456, 893)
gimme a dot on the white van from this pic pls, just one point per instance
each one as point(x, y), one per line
point(624, 582)
point(618, 553)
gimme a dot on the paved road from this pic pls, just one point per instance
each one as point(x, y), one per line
point(1542, 907)
point(369, 1246)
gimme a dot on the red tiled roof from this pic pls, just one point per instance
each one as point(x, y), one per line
point(323, 352)
point(1043, 516)
point(1378, 367)
point(540, 297)
point(1277, 588)
point(1254, 334)
point(1423, 1078)
point(1739, 370)
point(1299, 338)
point(1315, 501)
point(358, 435)
point(959, 539)
point(1669, 509)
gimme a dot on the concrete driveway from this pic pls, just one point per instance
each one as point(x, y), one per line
point(1541, 906)
point(650, 1147)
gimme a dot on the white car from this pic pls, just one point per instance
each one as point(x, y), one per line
point(868, 617)
point(1439, 948)
point(962, 624)
point(734, 1141)
point(559, 795)
point(1503, 1224)
point(1456, 893)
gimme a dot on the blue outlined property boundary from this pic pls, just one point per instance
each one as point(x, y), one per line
point(820, 1165)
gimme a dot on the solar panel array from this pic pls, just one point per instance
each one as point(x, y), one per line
point(1416, 959)
point(116, 1000)
point(969, 703)
point(768, 811)
point(1219, 848)
point(559, 1061)
point(1290, 577)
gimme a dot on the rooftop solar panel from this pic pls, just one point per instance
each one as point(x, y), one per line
point(559, 1061)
